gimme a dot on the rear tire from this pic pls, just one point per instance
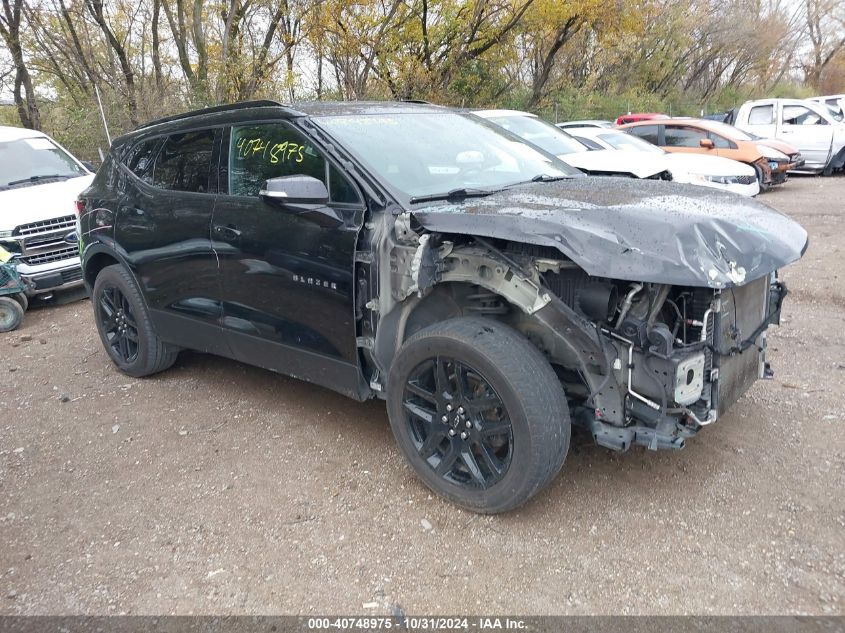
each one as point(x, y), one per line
point(124, 325)
point(11, 314)
point(479, 413)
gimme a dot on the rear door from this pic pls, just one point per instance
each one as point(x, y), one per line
point(809, 131)
point(163, 226)
point(685, 139)
point(287, 278)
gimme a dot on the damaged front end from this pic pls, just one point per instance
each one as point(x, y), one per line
point(648, 354)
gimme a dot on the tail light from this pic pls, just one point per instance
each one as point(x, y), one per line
point(80, 207)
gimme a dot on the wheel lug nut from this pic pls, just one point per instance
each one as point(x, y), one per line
point(469, 424)
point(463, 435)
point(444, 419)
point(448, 407)
point(461, 410)
point(452, 432)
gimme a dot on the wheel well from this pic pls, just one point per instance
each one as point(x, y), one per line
point(95, 264)
point(454, 299)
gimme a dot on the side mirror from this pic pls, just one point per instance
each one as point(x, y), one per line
point(295, 190)
point(305, 196)
point(89, 166)
point(706, 143)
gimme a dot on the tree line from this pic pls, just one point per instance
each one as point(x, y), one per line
point(148, 58)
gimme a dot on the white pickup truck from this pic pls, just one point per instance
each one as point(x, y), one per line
point(808, 125)
point(39, 183)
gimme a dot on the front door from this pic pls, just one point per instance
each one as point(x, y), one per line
point(686, 139)
point(808, 131)
point(286, 279)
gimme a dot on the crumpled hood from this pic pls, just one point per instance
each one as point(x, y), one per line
point(781, 146)
point(23, 205)
point(641, 165)
point(636, 230)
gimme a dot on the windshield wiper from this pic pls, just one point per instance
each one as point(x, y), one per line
point(539, 178)
point(547, 178)
point(37, 178)
point(455, 194)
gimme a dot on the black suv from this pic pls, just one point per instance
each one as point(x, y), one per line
point(490, 293)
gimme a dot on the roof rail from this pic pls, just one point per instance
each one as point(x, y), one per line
point(260, 103)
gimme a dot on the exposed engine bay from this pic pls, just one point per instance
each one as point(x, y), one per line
point(640, 362)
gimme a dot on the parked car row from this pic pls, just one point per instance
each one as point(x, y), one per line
point(774, 137)
point(600, 151)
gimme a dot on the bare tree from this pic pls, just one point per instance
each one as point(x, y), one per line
point(23, 92)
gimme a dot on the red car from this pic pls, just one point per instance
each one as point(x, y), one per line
point(633, 117)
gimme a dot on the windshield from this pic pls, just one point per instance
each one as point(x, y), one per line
point(620, 140)
point(427, 153)
point(545, 135)
point(728, 130)
point(35, 160)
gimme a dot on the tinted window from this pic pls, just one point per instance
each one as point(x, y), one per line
point(645, 132)
point(799, 115)
point(684, 136)
point(260, 152)
point(720, 141)
point(140, 159)
point(340, 189)
point(761, 115)
point(183, 164)
point(628, 142)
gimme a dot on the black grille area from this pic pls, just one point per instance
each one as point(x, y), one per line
point(567, 283)
point(746, 180)
point(743, 310)
point(663, 175)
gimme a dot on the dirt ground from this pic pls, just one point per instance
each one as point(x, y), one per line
point(218, 488)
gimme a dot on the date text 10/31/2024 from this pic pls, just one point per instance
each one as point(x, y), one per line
point(417, 623)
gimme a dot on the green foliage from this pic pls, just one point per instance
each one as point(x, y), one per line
point(565, 59)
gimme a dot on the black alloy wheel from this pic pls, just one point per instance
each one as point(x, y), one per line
point(124, 325)
point(478, 412)
point(458, 423)
point(118, 323)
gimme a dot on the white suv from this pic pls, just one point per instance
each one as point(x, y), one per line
point(39, 184)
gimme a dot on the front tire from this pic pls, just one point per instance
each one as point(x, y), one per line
point(124, 325)
point(479, 413)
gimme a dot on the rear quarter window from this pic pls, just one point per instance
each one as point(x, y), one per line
point(140, 159)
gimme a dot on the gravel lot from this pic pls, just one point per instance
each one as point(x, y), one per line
point(219, 488)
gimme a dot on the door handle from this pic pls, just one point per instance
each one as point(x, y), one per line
point(226, 230)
